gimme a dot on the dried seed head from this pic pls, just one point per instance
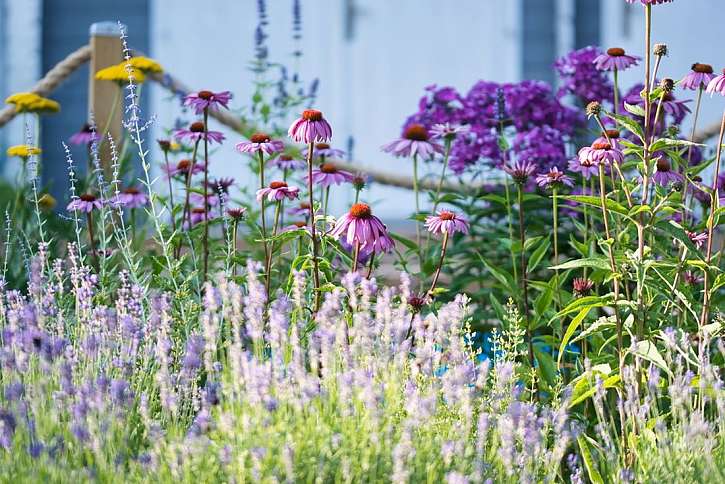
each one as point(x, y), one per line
point(667, 85)
point(594, 108)
point(164, 144)
point(660, 50)
point(236, 213)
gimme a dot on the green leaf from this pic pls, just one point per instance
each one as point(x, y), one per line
point(608, 383)
point(596, 202)
point(501, 276)
point(589, 465)
point(593, 262)
point(538, 255)
point(546, 366)
point(635, 109)
point(676, 230)
point(410, 244)
point(648, 351)
point(629, 124)
point(663, 143)
point(570, 332)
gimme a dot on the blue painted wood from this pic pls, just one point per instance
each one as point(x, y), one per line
point(65, 25)
point(587, 23)
point(539, 39)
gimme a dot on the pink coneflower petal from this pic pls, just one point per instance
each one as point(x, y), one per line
point(360, 227)
point(311, 127)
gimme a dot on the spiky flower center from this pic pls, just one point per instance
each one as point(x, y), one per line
point(87, 197)
point(205, 95)
point(299, 224)
point(611, 133)
point(322, 146)
point(615, 52)
point(360, 210)
point(197, 127)
point(305, 205)
point(416, 132)
point(87, 128)
point(132, 191)
point(663, 165)
point(328, 168)
point(702, 68)
point(183, 165)
point(602, 146)
point(416, 302)
point(164, 144)
point(582, 285)
point(277, 184)
point(198, 210)
point(312, 115)
point(285, 158)
point(235, 213)
point(260, 138)
point(447, 215)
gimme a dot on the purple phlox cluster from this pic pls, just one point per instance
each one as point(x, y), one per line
point(579, 77)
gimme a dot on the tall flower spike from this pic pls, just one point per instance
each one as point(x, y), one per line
point(311, 127)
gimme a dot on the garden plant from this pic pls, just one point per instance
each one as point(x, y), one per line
point(558, 320)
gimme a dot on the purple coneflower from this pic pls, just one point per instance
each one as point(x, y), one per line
point(602, 153)
point(610, 136)
point(260, 142)
point(554, 179)
point(303, 209)
point(202, 100)
point(131, 197)
point(615, 59)
point(85, 136)
point(278, 190)
point(582, 286)
point(287, 162)
point(85, 203)
point(323, 150)
point(236, 213)
point(446, 222)
point(664, 175)
point(311, 127)
point(328, 174)
point(691, 278)
point(295, 226)
point(697, 239)
point(415, 141)
point(211, 199)
point(520, 171)
point(182, 168)
point(717, 84)
point(197, 216)
point(196, 132)
point(699, 77)
point(361, 228)
point(585, 167)
point(448, 131)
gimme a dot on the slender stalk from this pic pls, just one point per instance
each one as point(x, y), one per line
point(714, 202)
point(524, 282)
point(444, 246)
point(371, 265)
point(698, 104)
point(357, 195)
point(616, 90)
point(205, 194)
point(315, 266)
point(327, 201)
point(586, 220)
point(612, 261)
point(91, 238)
point(555, 209)
point(355, 255)
point(510, 219)
point(268, 262)
point(171, 190)
point(263, 208)
point(234, 247)
point(186, 216)
point(417, 205)
point(443, 175)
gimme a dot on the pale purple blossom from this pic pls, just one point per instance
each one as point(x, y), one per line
point(360, 227)
point(260, 142)
point(446, 221)
point(208, 100)
point(615, 59)
point(278, 190)
point(698, 78)
point(414, 142)
point(328, 174)
point(196, 132)
point(311, 127)
point(85, 203)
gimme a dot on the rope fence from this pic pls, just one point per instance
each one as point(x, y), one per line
point(63, 69)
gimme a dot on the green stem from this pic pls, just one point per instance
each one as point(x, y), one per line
point(689, 154)
point(315, 266)
point(417, 205)
point(444, 246)
point(616, 90)
point(510, 218)
point(268, 262)
point(262, 204)
point(555, 209)
point(205, 193)
point(524, 282)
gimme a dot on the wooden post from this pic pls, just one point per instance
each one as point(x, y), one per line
point(105, 98)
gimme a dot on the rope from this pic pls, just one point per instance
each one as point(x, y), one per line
point(59, 73)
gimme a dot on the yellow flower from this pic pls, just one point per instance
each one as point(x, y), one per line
point(30, 102)
point(175, 147)
point(47, 202)
point(23, 151)
point(144, 64)
point(120, 74)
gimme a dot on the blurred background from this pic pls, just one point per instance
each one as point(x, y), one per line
point(373, 58)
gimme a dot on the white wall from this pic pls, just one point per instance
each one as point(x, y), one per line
point(367, 87)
